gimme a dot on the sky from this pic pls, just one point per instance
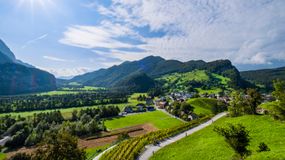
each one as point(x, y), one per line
point(71, 37)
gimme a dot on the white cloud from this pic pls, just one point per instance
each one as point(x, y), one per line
point(244, 31)
point(34, 40)
point(66, 72)
point(55, 59)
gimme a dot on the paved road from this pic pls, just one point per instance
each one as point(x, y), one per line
point(4, 140)
point(151, 149)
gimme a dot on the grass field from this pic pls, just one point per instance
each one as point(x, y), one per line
point(202, 105)
point(57, 93)
point(2, 156)
point(159, 119)
point(93, 152)
point(209, 91)
point(68, 111)
point(208, 145)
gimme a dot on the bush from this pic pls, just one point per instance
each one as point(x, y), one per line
point(263, 147)
point(237, 137)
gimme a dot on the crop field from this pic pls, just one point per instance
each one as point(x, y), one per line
point(158, 119)
point(207, 144)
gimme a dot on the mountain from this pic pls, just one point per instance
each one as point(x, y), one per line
point(138, 82)
point(7, 56)
point(153, 67)
point(264, 76)
point(17, 77)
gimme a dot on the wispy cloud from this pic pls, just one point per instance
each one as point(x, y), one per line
point(245, 31)
point(55, 59)
point(67, 72)
point(34, 40)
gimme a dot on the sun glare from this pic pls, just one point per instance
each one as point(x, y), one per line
point(33, 4)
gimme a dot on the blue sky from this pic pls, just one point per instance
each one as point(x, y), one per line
point(70, 37)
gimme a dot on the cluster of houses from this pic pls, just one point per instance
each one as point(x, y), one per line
point(140, 107)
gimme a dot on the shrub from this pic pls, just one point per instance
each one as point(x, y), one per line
point(237, 137)
point(263, 147)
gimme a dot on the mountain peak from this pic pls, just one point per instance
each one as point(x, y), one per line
point(152, 58)
point(4, 49)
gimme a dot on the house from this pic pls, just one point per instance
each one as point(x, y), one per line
point(128, 109)
point(149, 101)
point(162, 104)
point(140, 108)
point(150, 108)
point(192, 116)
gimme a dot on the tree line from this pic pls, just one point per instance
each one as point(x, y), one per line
point(29, 131)
point(43, 102)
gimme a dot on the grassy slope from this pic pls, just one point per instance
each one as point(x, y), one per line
point(206, 144)
point(202, 105)
point(159, 119)
point(180, 80)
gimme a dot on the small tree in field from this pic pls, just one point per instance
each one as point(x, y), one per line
point(237, 137)
point(278, 111)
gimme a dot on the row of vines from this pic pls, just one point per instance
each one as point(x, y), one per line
point(131, 148)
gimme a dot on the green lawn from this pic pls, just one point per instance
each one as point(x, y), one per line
point(209, 91)
point(202, 105)
point(208, 145)
point(2, 156)
point(159, 119)
point(93, 152)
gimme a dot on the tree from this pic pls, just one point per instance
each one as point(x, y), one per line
point(252, 101)
point(59, 146)
point(74, 115)
point(278, 111)
point(237, 104)
point(237, 137)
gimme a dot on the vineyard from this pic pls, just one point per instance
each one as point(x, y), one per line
point(130, 149)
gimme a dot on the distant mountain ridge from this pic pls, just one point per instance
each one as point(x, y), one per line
point(264, 76)
point(18, 77)
point(155, 66)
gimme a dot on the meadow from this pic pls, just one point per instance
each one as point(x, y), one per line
point(202, 105)
point(158, 119)
point(207, 144)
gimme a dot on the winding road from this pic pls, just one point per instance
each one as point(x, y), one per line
point(151, 149)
